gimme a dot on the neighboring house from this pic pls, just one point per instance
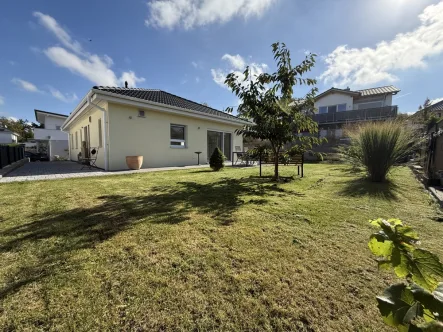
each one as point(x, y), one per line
point(7, 136)
point(433, 107)
point(338, 107)
point(50, 139)
point(165, 129)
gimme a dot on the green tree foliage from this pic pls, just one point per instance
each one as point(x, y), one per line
point(378, 146)
point(267, 101)
point(416, 305)
point(216, 162)
point(21, 127)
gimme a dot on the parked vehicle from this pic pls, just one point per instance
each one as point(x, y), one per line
point(36, 156)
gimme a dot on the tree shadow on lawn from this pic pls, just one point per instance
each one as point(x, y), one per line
point(84, 228)
point(387, 190)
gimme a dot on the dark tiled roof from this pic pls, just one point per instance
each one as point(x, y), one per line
point(165, 98)
point(378, 91)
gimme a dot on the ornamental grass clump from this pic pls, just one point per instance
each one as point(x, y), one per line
point(378, 146)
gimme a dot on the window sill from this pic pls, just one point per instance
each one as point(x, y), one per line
point(178, 147)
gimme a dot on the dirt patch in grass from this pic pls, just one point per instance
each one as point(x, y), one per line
point(194, 250)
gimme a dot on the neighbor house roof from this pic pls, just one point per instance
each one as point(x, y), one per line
point(165, 98)
point(390, 89)
point(435, 105)
point(40, 115)
point(6, 130)
point(362, 93)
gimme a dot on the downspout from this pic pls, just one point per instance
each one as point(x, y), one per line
point(104, 127)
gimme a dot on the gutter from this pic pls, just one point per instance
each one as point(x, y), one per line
point(162, 107)
point(105, 131)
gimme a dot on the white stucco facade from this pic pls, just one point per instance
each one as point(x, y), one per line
point(117, 129)
point(8, 137)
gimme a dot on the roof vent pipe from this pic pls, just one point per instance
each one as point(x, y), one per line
point(126, 84)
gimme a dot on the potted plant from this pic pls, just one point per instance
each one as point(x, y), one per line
point(134, 162)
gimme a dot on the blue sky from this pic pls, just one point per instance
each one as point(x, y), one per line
point(53, 52)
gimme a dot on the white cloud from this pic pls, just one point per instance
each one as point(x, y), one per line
point(193, 13)
point(365, 66)
point(236, 61)
point(237, 65)
point(2, 100)
point(194, 64)
point(28, 86)
point(66, 98)
point(62, 35)
point(13, 118)
point(73, 57)
point(131, 78)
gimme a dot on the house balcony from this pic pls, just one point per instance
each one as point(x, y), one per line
point(50, 134)
point(370, 114)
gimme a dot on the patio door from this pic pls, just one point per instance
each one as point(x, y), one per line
point(221, 140)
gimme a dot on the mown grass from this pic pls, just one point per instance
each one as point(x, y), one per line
point(197, 250)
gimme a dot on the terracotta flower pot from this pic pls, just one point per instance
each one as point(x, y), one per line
point(134, 162)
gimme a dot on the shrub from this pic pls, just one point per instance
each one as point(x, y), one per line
point(417, 303)
point(378, 146)
point(216, 162)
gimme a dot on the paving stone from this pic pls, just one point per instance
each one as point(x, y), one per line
point(54, 170)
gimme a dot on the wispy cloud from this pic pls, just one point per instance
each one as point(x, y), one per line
point(72, 56)
point(66, 98)
point(236, 64)
point(365, 66)
point(25, 85)
point(194, 64)
point(194, 13)
point(31, 87)
point(2, 100)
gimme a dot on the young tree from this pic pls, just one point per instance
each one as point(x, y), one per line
point(20, 126)
point(267, 101)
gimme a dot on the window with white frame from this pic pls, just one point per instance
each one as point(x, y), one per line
point(332, 108)
point(178, 136)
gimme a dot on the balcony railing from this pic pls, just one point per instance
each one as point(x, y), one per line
point(370, 114)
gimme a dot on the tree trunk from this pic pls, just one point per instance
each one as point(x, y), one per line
point(276, 159)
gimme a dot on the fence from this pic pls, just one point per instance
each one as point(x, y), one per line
point(10, 154)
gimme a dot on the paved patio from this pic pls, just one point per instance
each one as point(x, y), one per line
point(54, 170)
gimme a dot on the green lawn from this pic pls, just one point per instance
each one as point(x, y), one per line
point(197, 250)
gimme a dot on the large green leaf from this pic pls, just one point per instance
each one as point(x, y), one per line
point(426, 269)
point(395, 306)
point(400, 261)
point(380, 246)
point(431, 301)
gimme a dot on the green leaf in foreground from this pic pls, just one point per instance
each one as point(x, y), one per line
point(426, 269)
point(395, 304)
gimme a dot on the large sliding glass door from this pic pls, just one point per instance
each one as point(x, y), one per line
point(223, 141)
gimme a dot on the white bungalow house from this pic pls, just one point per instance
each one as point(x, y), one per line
point(167, 130)
point(50, 139)
point(7, 136)
point(338, 107)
